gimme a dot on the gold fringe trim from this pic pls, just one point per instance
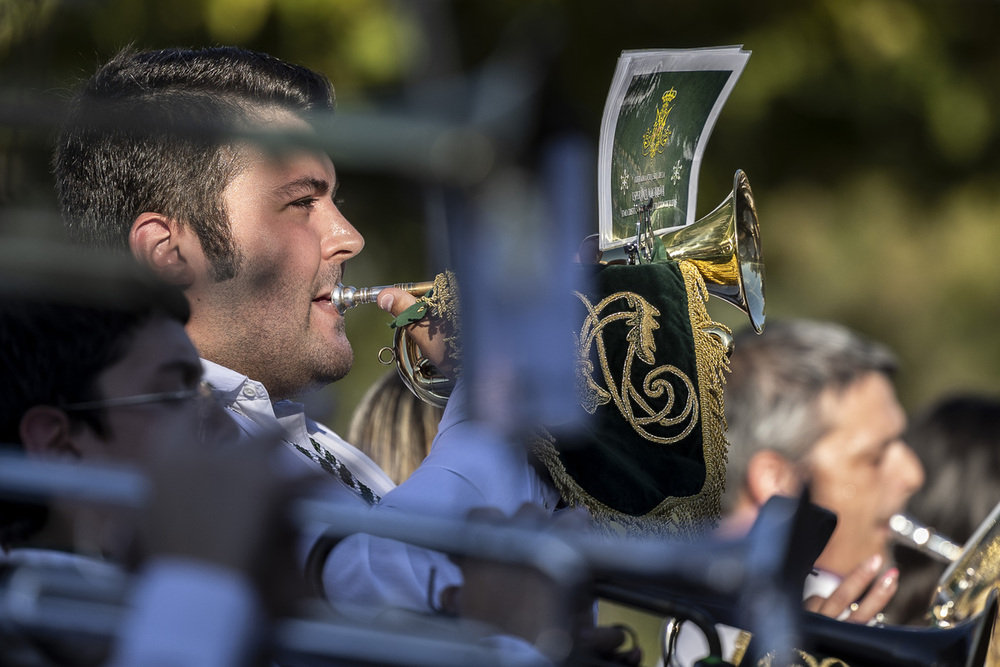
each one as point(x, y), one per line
point(685, 517)
point(444, 301)
point(740, 650)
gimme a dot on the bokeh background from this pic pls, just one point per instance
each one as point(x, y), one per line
point(868, 129)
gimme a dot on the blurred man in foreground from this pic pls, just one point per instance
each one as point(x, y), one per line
point(96, 367)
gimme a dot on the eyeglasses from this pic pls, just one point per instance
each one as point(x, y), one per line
point(202, 391)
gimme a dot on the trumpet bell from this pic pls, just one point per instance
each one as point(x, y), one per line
point(421, 376)
point(725, 247)
point(964, 587)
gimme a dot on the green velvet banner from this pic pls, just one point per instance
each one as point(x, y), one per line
point(655, 435)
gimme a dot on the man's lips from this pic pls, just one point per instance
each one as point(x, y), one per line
point(324, 301)
point(328, 286)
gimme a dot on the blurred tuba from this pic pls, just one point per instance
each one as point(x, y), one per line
point(969, 581)
point(839, 644)
point(724, 246)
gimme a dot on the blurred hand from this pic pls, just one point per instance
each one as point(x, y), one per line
point(226, 506)
point(844, 602)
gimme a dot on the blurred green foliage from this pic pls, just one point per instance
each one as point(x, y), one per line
point(868, 129)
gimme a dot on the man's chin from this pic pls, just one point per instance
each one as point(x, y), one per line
point(337, 363)
point(315, 373)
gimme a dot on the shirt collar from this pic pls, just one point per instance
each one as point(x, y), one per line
point(224, 381)
point(251, 398)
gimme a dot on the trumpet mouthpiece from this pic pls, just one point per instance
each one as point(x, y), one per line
point(348, 297)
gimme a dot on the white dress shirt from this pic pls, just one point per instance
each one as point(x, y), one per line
point(468, 467)
point(251, 407)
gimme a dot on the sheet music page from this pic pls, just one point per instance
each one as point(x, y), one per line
point(658, 116)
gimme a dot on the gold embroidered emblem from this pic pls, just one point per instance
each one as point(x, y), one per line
point(634, 403)
point(682, 517)
point(656, 138)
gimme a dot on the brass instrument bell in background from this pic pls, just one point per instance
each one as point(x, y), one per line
point(724, 246)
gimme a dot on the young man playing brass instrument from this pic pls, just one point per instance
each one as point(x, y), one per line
point(157, 159)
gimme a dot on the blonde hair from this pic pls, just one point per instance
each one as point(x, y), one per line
point(394, 427)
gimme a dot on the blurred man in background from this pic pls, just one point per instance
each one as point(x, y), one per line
point(813, 403)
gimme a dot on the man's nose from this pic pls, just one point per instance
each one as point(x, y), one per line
point(341, 240)
point(908, 468)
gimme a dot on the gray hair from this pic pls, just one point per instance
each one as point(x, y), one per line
point(774, 390)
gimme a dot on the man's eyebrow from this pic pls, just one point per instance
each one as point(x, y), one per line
point(304, 185)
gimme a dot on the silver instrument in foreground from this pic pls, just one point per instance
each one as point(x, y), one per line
point(40, 601)
point(743, 583)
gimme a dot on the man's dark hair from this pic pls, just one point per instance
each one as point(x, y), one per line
point(957, 438)
point(152, 132)
point(53, 348)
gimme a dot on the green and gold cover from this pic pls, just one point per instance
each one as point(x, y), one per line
point(652, 456)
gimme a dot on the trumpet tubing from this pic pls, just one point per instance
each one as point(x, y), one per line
point(661, 576)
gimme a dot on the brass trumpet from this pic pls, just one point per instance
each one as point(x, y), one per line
point(349, 297)
point(417, 373)
point(724, 246)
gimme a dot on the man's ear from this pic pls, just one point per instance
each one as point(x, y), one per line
point(163, 244)
point(46, 431)
point(769, 474)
